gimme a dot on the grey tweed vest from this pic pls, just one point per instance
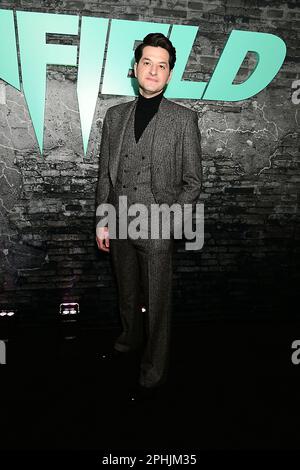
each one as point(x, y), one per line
point(134, 171)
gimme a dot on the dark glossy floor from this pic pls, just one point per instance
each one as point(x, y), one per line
point(231, 386)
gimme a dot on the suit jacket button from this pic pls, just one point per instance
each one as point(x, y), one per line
point(124, 185)
point(135, 188)
point(138, 173)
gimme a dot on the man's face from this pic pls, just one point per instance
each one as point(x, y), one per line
point(153, 71)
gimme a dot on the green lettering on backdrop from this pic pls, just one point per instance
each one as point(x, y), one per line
point(91, 54)
point(183, 38)
point(270, 52)
point(8, 50)
point(35, 54)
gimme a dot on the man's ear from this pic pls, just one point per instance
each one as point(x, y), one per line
point(134, 68)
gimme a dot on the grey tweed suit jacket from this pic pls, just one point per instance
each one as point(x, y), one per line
point(176, 170)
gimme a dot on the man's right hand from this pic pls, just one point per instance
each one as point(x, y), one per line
point(102, 238)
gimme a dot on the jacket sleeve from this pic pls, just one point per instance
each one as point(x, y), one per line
point(191, 175)
point(191, 162)
point(103, 184)
point(191, 170)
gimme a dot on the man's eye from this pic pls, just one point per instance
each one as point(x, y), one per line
point(163, 67)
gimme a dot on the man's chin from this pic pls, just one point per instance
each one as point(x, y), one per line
point(151, 91)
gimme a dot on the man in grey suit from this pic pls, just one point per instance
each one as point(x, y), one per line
point(151, 153)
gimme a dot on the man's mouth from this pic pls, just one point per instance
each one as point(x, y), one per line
point(152, 79)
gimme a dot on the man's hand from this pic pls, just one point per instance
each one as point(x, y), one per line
point(102, 238)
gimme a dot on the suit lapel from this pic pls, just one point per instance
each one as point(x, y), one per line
point(163, 134)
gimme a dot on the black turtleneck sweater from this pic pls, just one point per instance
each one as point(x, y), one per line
point(144, 112)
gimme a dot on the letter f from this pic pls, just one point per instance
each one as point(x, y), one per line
point(35, 54)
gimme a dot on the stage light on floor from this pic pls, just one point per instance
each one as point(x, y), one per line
point(69, 308)
point(69, 319)
point(7, 313)
point(143, 309)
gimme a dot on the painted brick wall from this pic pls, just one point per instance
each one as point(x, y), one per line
point(249, 263)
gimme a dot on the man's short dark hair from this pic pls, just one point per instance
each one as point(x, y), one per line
point(156, 39)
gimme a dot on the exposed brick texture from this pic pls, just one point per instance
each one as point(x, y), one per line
point(250, 261)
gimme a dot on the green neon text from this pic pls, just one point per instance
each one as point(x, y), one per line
point(36, 54)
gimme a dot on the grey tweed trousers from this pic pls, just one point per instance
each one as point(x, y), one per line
point(144, 272)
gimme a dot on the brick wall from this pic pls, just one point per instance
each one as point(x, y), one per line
point(248, 265)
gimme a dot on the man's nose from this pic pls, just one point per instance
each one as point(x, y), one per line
point(153, 70)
